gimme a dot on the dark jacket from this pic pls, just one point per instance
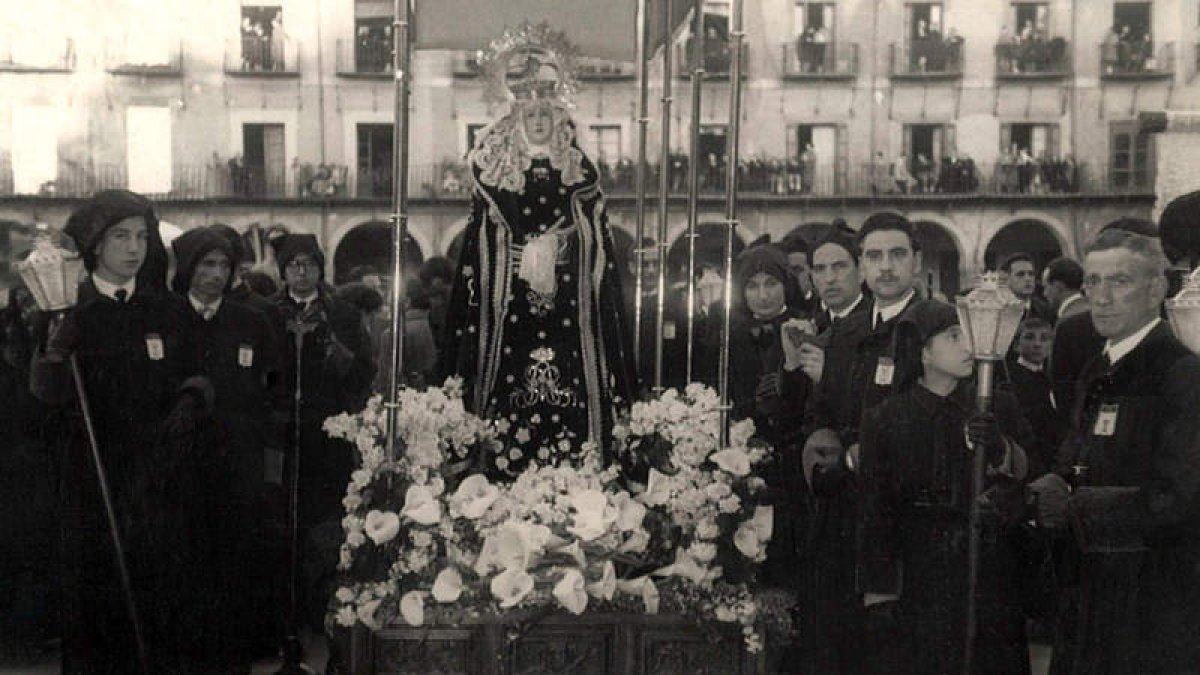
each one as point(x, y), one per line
point(916, 471)
point(1033, 391)
point(1135, 510)
point(1075, 343)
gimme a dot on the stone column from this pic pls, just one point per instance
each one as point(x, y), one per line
point(1176, 154)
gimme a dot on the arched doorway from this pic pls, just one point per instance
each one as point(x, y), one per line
point(369, 245)
point(940, 257)
point(1031, 236)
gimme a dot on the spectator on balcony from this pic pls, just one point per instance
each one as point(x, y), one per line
point(808, 169)
point(239, 176)
point(804, 50)
point(278, 38)
point(1006, 50)
point(900, 175)
point(820, 49)
point(923, 168)
point(1025, 170)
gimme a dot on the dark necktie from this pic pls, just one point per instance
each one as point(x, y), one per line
point(121, 295)
point(878, 320)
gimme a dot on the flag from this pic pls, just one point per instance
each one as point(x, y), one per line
point(605, 29)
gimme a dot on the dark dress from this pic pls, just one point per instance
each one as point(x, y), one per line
point(555, 366)
point(1135, 513)
point(916, 471)
point(134, 357)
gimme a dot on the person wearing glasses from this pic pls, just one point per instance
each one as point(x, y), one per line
point(327, 343)
point(1125, 493)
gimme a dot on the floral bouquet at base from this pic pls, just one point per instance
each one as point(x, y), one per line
point(427, 539)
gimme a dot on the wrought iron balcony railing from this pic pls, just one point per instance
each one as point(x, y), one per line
point(820, 61)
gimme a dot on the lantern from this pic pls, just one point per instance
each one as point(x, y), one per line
point(990, 316)
point(1183, 311)
point(52, 275)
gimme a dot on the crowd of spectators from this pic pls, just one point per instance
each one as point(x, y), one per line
point(813, 50)
point(1128, 51)
point(1019, 172)
point(932, 52)
point(1029, 51)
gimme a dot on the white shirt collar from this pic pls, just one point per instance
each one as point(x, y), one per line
point(303, 300)
point(1067, 303)
point(891, 311)
point(845, 312)
point(200, 306)
point(1117, 351)
point(109, 289)
point(1029, 365)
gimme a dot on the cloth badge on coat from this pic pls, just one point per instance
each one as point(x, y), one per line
point(885, 371)
point(154, 347)
point(245, 356)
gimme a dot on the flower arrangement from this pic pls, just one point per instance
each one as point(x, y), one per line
point(671, 525)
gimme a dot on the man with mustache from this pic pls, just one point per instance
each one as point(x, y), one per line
point(859, 349)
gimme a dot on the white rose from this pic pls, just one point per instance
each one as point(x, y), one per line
point(366, 613)
point(510, 587)
point(382, 526)
point(732, 460)
point(352, 501)
point(703, 552)
point(447, 587)
point(631, 512)
point(344, 594)
point(412, 607)
point(421, 506)
point(658, 489)
point(707, 529)
point(361, 478)
point(346, 616)
point(571, 593)
point(475, 495)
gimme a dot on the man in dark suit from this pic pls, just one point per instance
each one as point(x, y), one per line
point(1062, 284)
point(1022, 281)
point(1127, 482)
point(859, 350)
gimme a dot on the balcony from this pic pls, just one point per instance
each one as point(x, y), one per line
point(758, 178)
point(718, 59)
point(1033, 60)
point(819, 61)
point(37, 54)
point(131, 57)
point(364, 58)
point(927, 59)
point(262, 56)
point(1133, 60)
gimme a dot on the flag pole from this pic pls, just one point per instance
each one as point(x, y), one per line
point(693, 205)
point(403, 14)
point(737, 35)
point(643, 120)
point(664, 189)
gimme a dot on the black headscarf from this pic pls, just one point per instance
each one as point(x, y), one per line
point(190, 248)
point(291, 245)
point(764, 259)
point(919, 324)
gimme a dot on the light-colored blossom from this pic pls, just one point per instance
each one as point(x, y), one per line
point(448, 585)
point(733, 460)
point(412, 607)
point(366, 613)
point(511, 586)
point(571, 593)
point(752, 535)
point(606, 585)
point(382, 526)
point(421, 506)
point(593, 514)
point(475, 495)
point(346, 616)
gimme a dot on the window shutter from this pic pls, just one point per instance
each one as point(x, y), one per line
point(1005, 138)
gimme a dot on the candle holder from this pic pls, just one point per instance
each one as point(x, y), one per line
point(1183, 312)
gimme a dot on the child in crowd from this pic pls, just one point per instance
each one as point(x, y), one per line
point(1031, 385)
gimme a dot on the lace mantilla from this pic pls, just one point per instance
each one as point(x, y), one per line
point(503, 155)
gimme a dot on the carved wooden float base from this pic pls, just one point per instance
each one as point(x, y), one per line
point(594, 644)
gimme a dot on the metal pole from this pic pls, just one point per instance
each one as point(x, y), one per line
point(737, 33)
point(694, 175)
point(664, 189)
point(983, 403)
point(111, 515)
point(639, 249)
point(404, 11)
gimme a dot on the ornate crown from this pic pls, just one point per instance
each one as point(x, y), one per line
point(531, 62)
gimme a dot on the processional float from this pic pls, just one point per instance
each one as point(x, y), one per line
point(653, 26)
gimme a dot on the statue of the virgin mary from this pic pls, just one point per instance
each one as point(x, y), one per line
point(535, 324)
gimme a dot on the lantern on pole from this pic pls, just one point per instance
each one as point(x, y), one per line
point(1183, 311)
point(989, 316)
point(52, 275)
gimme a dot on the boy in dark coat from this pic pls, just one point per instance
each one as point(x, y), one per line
point(1030, 383)
point(238, 352)
point(917, 452)
point(137, 359)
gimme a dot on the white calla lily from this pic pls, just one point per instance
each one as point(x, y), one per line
point(412, 607)
point(448, 585)
point(511, 586)
point(732, 460)
point(381, 526)
point(475, 495)
point(421, 506)
point(571, 593)
point(606, 586)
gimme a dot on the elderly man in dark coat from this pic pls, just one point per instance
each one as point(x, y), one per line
point(237, 350)
point(137, 359)
point(1127, 484)
point(327, 341)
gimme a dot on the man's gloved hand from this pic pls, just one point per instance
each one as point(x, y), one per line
point(983, 433)
point(185, 415)
point(64, 337)
point(1051, 495)
point(338, 356)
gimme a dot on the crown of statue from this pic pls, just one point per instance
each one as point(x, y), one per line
point(531, 62)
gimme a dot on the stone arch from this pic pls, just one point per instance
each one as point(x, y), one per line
point(370, 243)
point(1033, 235)
point(451, 238)
point(941, 255)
